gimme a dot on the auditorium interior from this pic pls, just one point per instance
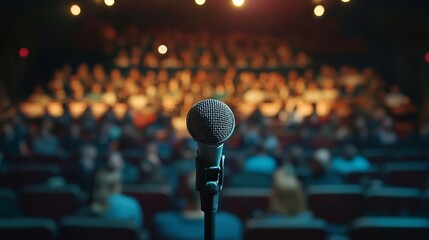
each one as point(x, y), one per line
point(331, 107)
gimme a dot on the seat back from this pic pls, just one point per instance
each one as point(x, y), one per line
point(244, 202)
point(28, 228)
point(152, 199)
point(30, 174)
point(392, 201)
point(337, 204)
point(249, 180)
point(285, 229)
point(392, 228)
point(8, 204)
point(406, 174)
point(51, 202)
point(84, 228)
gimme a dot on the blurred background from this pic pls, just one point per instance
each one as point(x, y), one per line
point(330, 98)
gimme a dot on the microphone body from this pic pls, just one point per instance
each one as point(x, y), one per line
point(210, 122)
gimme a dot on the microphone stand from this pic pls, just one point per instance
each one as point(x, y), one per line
point(209, 182)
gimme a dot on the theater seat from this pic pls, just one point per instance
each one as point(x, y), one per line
point(152, 199)
point(337, 204)
point(391, 201)
point(82, 228)
point(244, 202)
point(28, 228)
point(279, 229)
point(30, 174)
point(50, 202)
point(391, 228)
point(8, 204)
point(406, 174)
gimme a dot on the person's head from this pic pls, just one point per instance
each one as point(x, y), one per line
point(321, 161)
point(115, 161)
point(88, 152)
point(349, 151)
point(287, 196)
point(107, 182)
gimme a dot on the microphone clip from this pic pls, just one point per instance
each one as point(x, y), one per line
point(209, 182)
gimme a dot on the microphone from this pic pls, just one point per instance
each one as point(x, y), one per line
point(210, 122)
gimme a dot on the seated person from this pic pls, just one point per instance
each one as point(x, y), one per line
point(287, 199)
point(108, 201)
point(189, 223)
point(260, 162)
point(321, 169)
point(350, 161)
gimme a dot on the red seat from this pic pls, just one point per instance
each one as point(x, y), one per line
point(279, 229)
point(393, 201)
point(81, 228)
point(243, 202)
point(28, 228)
point(54, 203)
point(152, 199)
point(406, 174)
point(337, 204)
point(392, 228)
point(30, 174)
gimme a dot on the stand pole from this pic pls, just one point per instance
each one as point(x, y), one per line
point(209, 225)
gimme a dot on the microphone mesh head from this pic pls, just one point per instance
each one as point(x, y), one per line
point(210, 121)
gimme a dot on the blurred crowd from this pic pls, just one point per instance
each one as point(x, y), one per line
point(107, 125)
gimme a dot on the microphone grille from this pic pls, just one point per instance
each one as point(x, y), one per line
point(210, 121)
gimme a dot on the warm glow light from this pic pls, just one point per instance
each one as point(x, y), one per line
point(319, 10)
point(23, 52)
point(238, 3)
point(75, 10)
point(109, 2)
point(345, 1)
point(427, 57)
point(200, 2)
point(162, 49)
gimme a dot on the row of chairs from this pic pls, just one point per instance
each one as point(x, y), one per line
point(399, 174)
point(337, 204)
point(71, 228)
point(368, 228)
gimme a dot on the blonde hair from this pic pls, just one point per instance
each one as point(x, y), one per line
point(107, 182)
point(287, 196)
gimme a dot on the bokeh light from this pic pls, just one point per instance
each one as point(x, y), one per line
point(238, 3)
point(200, 2)
point(345, 1)
point(75, 10)
point(319, 10)
point(109, 2)
point(23, 52)
point(162, 49)
point(427, 57)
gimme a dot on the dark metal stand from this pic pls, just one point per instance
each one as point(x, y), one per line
point(209, 182)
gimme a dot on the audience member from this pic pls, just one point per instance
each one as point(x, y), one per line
point(189, 223)
point(260, 162)
point(108, 201)
point(350, 161)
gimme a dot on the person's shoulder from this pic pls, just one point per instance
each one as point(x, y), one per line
point(227, 218)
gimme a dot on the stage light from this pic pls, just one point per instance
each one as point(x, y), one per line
point(319, 10)
point(200, 2)
point(162, 49)
point(75, 10)
point(427, 57)
point(109, 2)
point(345, 1)
point(238, 3)
point(23, 52)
